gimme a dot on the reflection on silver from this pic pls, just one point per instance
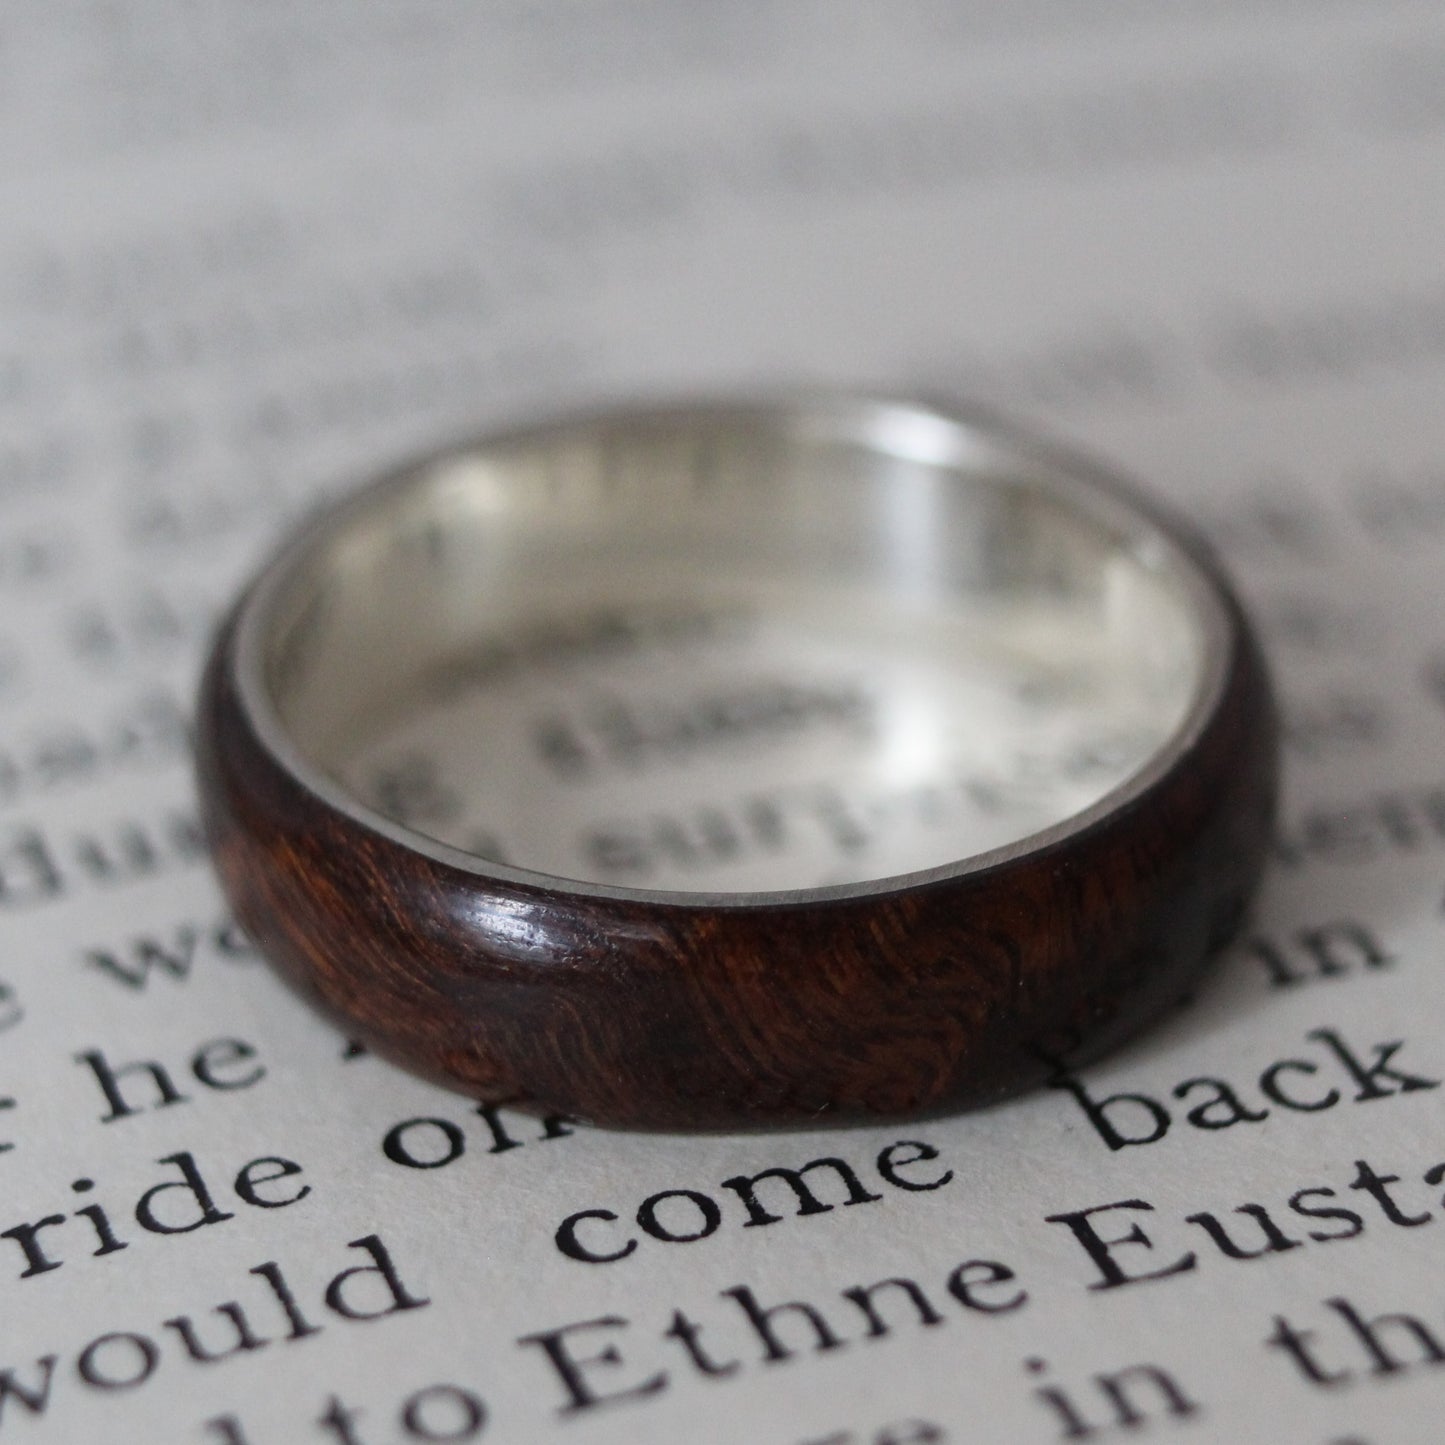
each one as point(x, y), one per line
point(735, 648)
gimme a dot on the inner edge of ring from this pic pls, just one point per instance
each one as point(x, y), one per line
point(1081, 484)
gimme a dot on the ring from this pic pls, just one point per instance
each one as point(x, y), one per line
point(734, 762)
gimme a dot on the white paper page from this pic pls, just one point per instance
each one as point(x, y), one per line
point(251, 254)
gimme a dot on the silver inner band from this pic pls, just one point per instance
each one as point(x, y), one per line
point(733, 650)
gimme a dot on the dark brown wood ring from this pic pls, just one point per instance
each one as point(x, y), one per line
point(680, 1011)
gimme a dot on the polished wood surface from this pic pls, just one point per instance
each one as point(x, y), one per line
point(632, 1012)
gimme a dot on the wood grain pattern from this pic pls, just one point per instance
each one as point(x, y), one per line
point(667, 1015)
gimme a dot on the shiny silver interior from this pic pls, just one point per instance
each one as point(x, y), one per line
point(404, 588)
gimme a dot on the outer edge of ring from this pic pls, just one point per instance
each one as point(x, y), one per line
point(669, 1010)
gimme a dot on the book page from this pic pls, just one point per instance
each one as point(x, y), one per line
point(252, 255)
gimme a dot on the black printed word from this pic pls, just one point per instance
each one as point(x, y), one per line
point(617, 732)
point(1381, 1345)
point(1121, 1392)
point(1336, 1073)
point(41, 867)
point(1328, 950)
point(683, 1216)
point(433, 1143)
point(173, 953)
point(222, 1064)
point(174, 1206)
point(1115, 1240)
point(124, 1359)
point(586, 1361)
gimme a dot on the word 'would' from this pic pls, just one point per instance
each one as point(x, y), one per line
point(125, 1359)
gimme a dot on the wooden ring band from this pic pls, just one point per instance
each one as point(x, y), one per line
point(949, 986)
